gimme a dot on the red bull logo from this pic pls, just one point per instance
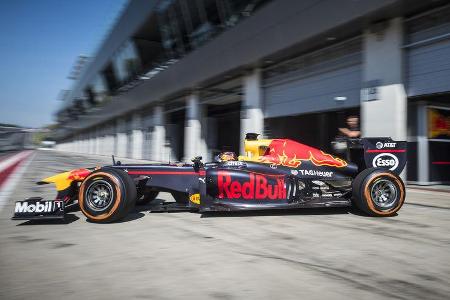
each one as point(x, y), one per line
point(438, 123)
point(291, 154)
point(257, 187)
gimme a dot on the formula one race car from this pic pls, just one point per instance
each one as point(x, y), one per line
point(273, 174)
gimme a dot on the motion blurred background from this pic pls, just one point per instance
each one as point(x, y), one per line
point(172, 79)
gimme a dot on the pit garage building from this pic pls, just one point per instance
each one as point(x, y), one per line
point(175, 78)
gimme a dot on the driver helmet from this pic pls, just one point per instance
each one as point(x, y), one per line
point(226, 156)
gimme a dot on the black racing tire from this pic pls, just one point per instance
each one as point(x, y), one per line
point(181, 198)
point(148, 197)
point(107, 195)
point(378, 192)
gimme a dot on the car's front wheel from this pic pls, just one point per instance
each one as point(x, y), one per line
point(107, 195)
point(378, 192)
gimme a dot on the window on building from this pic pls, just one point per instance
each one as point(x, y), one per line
point(89, 95)
point(110, 78)
point(149, 44)
point(126, 62)
point(99, 89)
point(176, 28)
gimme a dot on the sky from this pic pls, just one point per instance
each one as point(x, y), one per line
point(40, 41)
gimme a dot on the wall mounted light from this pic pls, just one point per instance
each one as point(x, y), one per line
point(340, 98)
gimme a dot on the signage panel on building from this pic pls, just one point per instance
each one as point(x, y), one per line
point(438, 123)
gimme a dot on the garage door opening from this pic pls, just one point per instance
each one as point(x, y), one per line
point(175, 134)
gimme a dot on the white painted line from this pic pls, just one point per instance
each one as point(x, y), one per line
point(10, 183)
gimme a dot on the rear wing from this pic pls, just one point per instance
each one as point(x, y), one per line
point(380, 152)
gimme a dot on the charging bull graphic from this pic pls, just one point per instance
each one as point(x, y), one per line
point(291, 154)
point(79, 174)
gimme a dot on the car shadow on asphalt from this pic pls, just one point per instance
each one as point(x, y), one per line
point(256, 213)
point(278, 212)
point(69, 218)
point(133, 215)
point(286, 212)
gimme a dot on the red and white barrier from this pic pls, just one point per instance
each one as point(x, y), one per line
point(12, 168)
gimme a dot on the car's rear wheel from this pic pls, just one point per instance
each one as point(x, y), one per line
point(148, 197)
point(107, 195)
point(378, 192)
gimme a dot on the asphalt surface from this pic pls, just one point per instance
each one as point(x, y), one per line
point(312, 254)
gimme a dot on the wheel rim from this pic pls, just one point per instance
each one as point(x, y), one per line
point(99, 195)
point(384, 193)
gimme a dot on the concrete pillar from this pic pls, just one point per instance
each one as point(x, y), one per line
point(87, 146)
point(103, 147)
point(138, 137)
point(101, 144)
point(108, 147)
point(147, 131)
point(84, 144)
point(194, 133)
point(93, 142)
point(159, 150)
point(423, 171)
point(384, 100)
point(121, 138)
point(97, 142)
point(81, 144)
point(111, 140)
point(107, 144)
point(252, 116)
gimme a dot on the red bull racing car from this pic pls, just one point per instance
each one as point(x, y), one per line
point(273, 174)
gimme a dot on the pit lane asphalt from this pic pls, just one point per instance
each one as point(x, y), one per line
point(312, 254)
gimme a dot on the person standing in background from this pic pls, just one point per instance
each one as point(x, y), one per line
point(353, 130)
point(341, 145)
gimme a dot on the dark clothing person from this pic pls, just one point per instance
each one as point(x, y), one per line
point(352, 131)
